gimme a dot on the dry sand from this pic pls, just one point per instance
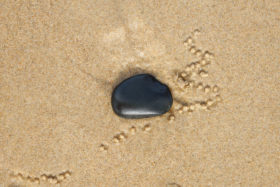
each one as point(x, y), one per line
point(60, 61)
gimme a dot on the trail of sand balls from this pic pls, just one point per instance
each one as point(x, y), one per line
point(187, 80)
point(52, 179)
point(124, 135)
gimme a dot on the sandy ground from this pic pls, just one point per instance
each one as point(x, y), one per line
point(60, 61)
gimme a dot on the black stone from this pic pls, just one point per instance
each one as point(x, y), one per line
point(141, 96)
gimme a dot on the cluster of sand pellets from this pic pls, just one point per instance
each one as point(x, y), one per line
point(190, 80)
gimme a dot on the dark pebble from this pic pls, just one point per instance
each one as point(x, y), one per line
point(141, 96)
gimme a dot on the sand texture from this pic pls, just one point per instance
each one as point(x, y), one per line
point(60, 61)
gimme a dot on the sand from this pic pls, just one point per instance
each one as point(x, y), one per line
point(60, 61)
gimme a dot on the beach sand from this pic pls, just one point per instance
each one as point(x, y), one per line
point(60, 61)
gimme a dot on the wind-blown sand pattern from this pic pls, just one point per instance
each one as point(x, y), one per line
point(60, 61)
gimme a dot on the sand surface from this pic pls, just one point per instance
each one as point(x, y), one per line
point(60, 61)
